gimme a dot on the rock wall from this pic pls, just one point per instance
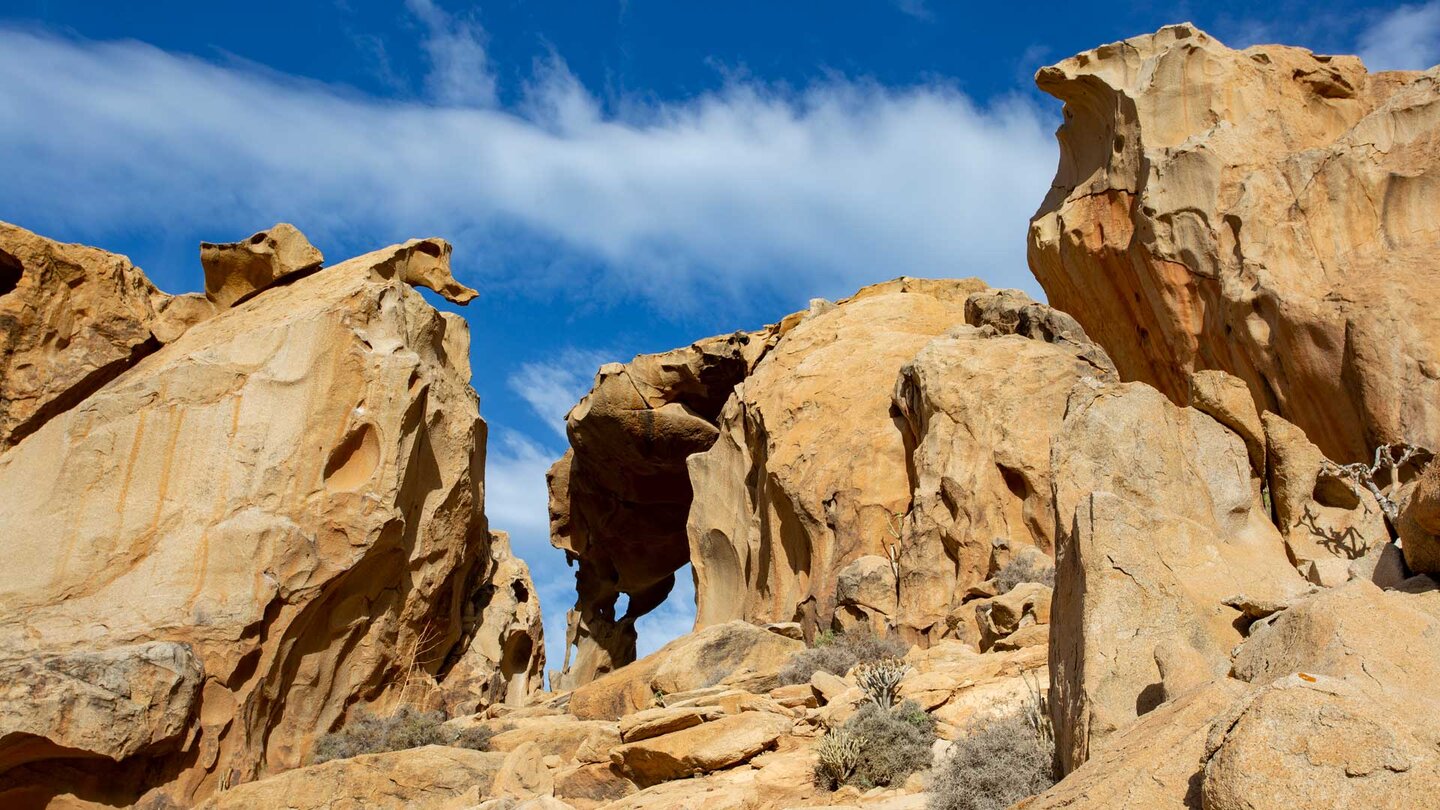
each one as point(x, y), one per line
point(268, 520)
point(1266, 212)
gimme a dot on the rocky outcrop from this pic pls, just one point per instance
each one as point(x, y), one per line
point(1161, 523)
point(1267, 212)
point(235, 271)
point(72, 318)
point(267, 521)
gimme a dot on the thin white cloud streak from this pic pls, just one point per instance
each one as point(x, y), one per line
point(459, 66)
point(1407, 38)
point(552, 387)
point(738, 191)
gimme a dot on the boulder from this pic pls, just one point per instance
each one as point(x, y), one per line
point(1226, 399)
point(292, 491)
point(562, 736)
point(234, 271)
point(1316, 741)
point(1161, 522)
point(72, 318)
point(700, 659)
point(1419, 522)
point(865, 594)
point(1025, 605)
point(663, 720)
point(523, 774)
point(980, 407)
point(701, 749)
point(434, 777)
point(1217, 209)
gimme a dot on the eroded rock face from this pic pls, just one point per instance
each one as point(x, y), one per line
point(236, 270)
point(1161, 523)
point(261, 524)
point(1266, 212)
point(72, 318)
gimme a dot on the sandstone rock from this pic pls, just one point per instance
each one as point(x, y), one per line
point(809, 471)
point(787, 629)
point(1308, 741)
point(795, 695)
point(1217, 209)
point(561, 736)
point(1383, 565)
point(1326, 523)
point(435, 777)
point(1419, 523)
point(865, 595)
point(72, 318)
point(114, 703)
point(592, 785)
point(619, 497)
point(1032, 635)
point(1226, 399)
point(504, 657)
point(655, 722)
point(1155, 763)
point(292, 488)
point(523, 774)
point(829, 686)
point(1024, 605)
point(707, 747)
point(699, 659)
point(980, 409)
point(235, 271)
point(1160, 522)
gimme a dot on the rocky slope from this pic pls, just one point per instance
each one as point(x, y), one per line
point(231, 534)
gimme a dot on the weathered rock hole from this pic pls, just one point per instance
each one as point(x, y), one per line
point(259, 238)
point(354, 460)
point(10, 272)
point(429, 249)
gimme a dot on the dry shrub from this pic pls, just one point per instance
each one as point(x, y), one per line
point(1023, 568)
point(998, 762)
point(893, 743)
point(366, 733)
point(836, 653)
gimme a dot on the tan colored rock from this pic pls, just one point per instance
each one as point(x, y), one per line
point(234, 271)
point(435, 777)
point(592, 785)
point(980, 407)
point(1024, 605)
point(704, 748)
point(1031, 635)
point(809, 472)
point(693, 661)
point(72, 318)
point(865, 594)
point(115, 702)
point(1326, 523)
point(795, 695)
point(663, 720)
point(1155, 763)
point(1419, 523)
point(1217, 209)
point(504, 657)
point(523, 774)
point(1161, 521)
point(1227, 400)
point(562, 736)
point(293, 489)
point(828, 685)
point(1316, 741)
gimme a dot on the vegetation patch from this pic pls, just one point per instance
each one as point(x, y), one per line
point(367, 733)
point(836, 653)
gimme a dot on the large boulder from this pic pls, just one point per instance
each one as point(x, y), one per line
point(701, 659)
point(287, 498)
point(72, 318)
point(1267, 212)
point(700, 749)
point(235, 271)
point(1419, 522)
point(1161, 523)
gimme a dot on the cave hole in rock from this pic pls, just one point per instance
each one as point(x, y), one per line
point(10, 272)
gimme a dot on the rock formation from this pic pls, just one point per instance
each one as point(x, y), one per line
point(230, 540)
point(1266, 212)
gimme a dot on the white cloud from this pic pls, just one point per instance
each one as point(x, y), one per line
point(736, 192)
point(673, 618)
point(1407, 38)
point(516, 500)
point(459, 67)
point(553, 386)
point(914, 8)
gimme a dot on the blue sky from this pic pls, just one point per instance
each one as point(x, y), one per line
point(617, 177)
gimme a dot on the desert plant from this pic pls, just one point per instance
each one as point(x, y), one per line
point(999, 761)
point(880, 680)
point(1023, 568)
point(1389, 458)
point(367, 733)
point(837, 653)
point(837, 756)
point(895, 742)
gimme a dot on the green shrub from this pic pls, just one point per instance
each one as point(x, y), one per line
point(892, 744)
point(1024, 568)
point(366, 733)
point(836, 653)
point(998, 762)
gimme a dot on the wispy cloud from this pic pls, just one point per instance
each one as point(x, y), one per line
point(1407, 38)
point(915, 8)
point(551, 387)
point(733, 193)
point(455, 47)
point(515, 495)
point(673, 618)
